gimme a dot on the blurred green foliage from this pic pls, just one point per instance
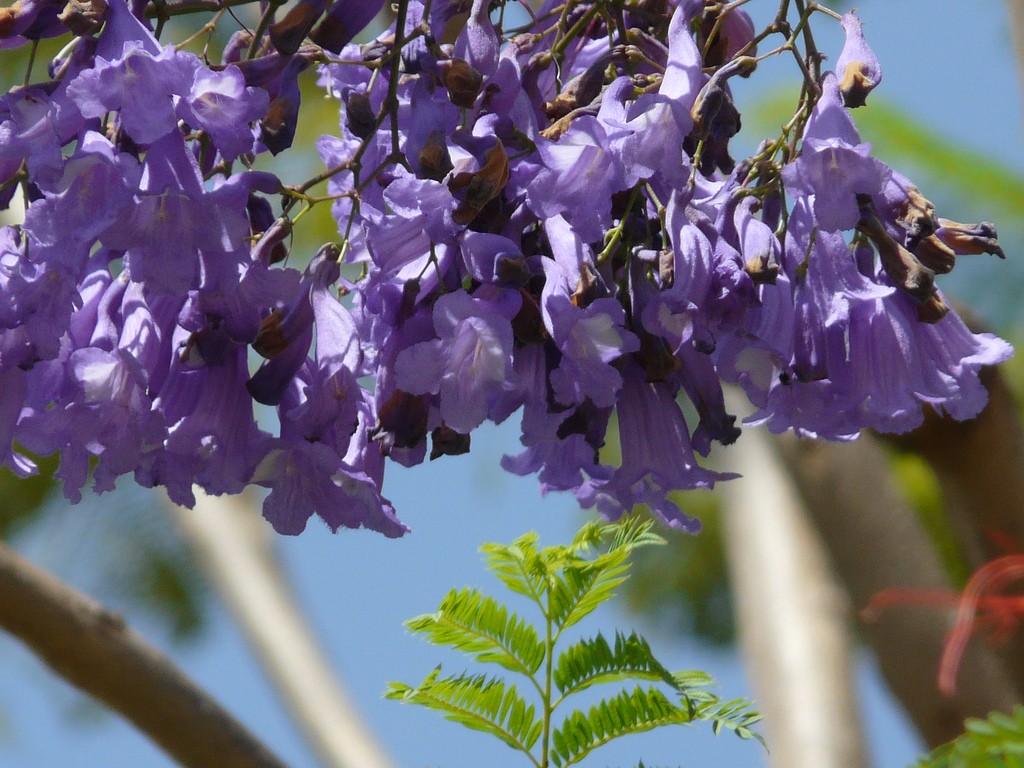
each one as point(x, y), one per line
point(683, 587)
point(23, 497)
point(996, 742)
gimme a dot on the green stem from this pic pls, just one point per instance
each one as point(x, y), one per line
point(549, 663)
point(31, 62)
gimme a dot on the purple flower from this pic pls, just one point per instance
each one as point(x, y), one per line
point(94, 193)
point(834, 167)
point(222, 105)
point(644, 134)
point(36, 301)
point(577, 179)
point(469, 364)
point(590, 338)
point(657, 457)
point(212, 438)
point(308, 478)
point(139, 85)
point(175, 219)
point(30, 130)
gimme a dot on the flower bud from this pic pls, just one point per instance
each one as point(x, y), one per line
point(277, 128)
point(359, 117)
point(343, 21)
point(735, 32)
point(580, 91)
point(288, 33)
point(83, 17)
point(402, 422)
point(900, 264)
point(857, 67)
point(935, 255)
point(480, 187)
point(462, 81)
point(445, 441)
point(970, 238)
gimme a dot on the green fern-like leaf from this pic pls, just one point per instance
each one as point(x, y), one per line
point(519, 566)
point(626, 713)
point(633, 533)
point(583, 583)
point(593, 661)
point(734, 715)
point(484, 704)
point(995, 741)
point(579, 590)
point(480, 626)
point(566, 583)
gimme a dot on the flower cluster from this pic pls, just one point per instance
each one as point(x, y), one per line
point(548, 220)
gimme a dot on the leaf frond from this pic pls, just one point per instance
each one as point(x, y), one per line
point(483, 628)
point(996, 740)
point(478, 702)
point(586, 582)
point(734, 715)
point(518, 565)
point(626, 713)
point(594, 660)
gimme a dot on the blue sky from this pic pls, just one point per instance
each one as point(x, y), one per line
point(949, 63)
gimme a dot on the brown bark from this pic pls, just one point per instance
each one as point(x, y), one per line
point(980, 468)
point(876, 542)
point(93, 649)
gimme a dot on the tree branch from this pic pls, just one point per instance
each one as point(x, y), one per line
point(236, 551)
point(877, 542)
point(978, 465)
point(93, 649)
point(792, 615)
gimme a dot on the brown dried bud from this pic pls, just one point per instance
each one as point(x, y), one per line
point(588, 287)
point(579, 92)
point(402, 422)
point(735, 32)
point(83, 17)
point(445, 441)
point(656, 358)
point(359, 117)
point(969, 239)
point(917, 215)
point(288, 33)
point(480, 187)
point(270, 339)
point(666, 267)
point(434, 160)
point(763, 269)
point(528, 324)
point(900, 264)
point(713, 112)
point(512, 270)
point(935, 255)
point(932, 309)
point(462, 81)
